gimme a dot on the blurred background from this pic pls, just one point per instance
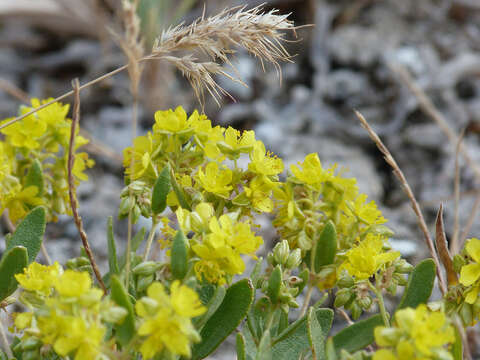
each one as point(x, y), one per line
point(411, 67)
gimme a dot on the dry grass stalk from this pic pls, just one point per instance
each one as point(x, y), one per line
point(406, 188)
point(442, 247)
point(455, 245)
point(71, 185)
point(471, 219)
point(429, 108)
point(258, 32)
point(14, 91)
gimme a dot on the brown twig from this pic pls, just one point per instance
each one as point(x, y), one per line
point(455, 246)
point(406, 188)
point(429, 108)
point(14, 91)
point(71, 184)
point(442, 247)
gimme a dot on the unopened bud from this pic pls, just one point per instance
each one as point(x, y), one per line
point(294, 259)
point(144, 282)
point(342, 297)
point(149, 304)
point(114, 314)
point(356, 310)
point(365, 302)
point(403, 267)
point(30, 343)
point(146, 268)
point(304, 241)
point(400, 279)
point(281, 252)
point(345, 281)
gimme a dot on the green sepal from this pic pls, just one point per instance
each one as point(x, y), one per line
point(294, 341)
point(112, 249)
point(126, 330)
point(325, 249)
point(357, 336)
point(179, 260)
point(161, 190)
point(29, 233)
point(420, 285)
point(35, 176)
point(274, 284)
point(228, 316)
point(13, 262)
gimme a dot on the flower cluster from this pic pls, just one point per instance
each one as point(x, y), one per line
point(34, 155)
point(417, 334)
point(66, 312)
point(165, 320)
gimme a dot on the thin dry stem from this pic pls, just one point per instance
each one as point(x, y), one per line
point(344, 314)
point(454, 246)
point(406, 188)
point(442, 247)
point(14, 91)
point(4, 340)
point(71, 185)
point(470, 220)
point(429, 108)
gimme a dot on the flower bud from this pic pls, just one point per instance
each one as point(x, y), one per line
point(345, 281)
point(365, 302)
point(30, 343)
point(135, 214)
point(392, 288)
point(281, 252)
point(144, 282)
point(149, 304)
point(294, 259)
point(304, 241)
point(114, 314)
point(403, 267)
point(125, 205)
point(146, 268)
point(270, 258)
point(400, 279)
point(356, 310)
point(342, 297)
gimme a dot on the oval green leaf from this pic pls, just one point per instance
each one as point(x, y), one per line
point(161, 190)
point(126, 330)
point(355, 337)
point(35, 176)
point(29, 233)
point(240, 346)
point(325, 248)
point(13, 262)
point(316, 336)
point(420, 285)
point(179, 255)
point(274, 284)
point(229, 315)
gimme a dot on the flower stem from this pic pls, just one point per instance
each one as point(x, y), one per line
point(306, 302)
point(381, 304)
point(3, 337)
point(151, 235)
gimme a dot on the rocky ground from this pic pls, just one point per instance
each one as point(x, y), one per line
point(352, 58)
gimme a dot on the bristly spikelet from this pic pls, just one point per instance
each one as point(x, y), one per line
point(260, 33)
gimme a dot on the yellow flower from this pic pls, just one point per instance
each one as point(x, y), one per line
point(52, 114)
point(259, 192)
point(141, 152)
point(171, 122)
point(166, 320)
point(235, 143)
point(73, 283)
point(311, 172)
point(367, 258)
point(263, 162)
point(25, 133)
point(216, 180)
point(470, 273)
point(19, 201)
point(5, 161)
point(39, 278)
point(81, 163)
point(416, 334)
point(23, 320)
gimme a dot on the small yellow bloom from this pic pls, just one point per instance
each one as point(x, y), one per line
point(470, 273)
point(367, 258)
point(141, 152)
point(23, 320)
point(25, 133)
point(39, 278)
point(73, 283)
point(19, 201)
point(311, 172)
point(236, 143)
point(52, 114)
point(171, 122)
point(259, 192)
point(263, 162)
point(216, 180)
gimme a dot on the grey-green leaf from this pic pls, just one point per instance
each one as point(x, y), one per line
point(179, 255)
point(420, 285)
point(325, 248)
point(240, 345)
point(294, 341)
point(316, 335)
point(112, 248)
point(35, 176)
point(264, 351)
point(355, 337)
point(228, 316)
point(161, 190)
point(29, 233)
point(212, 306)
point(126, 330)
point(274, 283)
point(13, 262)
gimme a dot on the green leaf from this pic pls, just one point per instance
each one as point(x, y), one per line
point(294, 341)
point(420, 285)
point(29, 233)
point(179, 255)
point(274, 283)
point(316, 335)
point(325, 248)
point(13, 262)
point(330, 353)
point(457, 348)
point(181, 196)
point(161, 190)
point(264, 347)
point(126, 330)
point(240, 345)
point(112, 249)
point(228, 316)
point(357, 336)
point(212, 306)
point(35, 176)
point(256, 274)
